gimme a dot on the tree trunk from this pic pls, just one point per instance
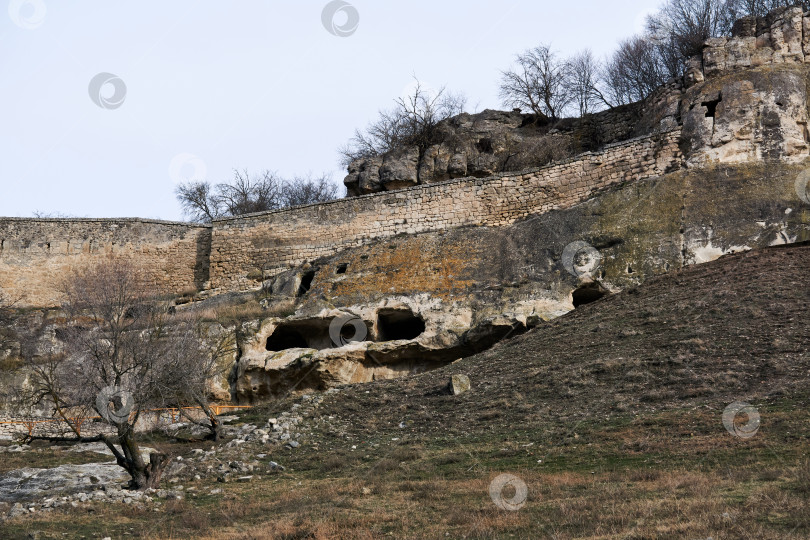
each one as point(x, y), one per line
point(143, 475)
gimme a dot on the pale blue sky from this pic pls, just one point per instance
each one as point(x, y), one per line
point(248, 84)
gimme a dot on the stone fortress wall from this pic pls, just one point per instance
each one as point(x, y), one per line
point(36, 254)
point(263, 245)
point(237, 253)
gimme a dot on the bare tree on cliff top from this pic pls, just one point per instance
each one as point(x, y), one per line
point(582, 78)
point(247, 193)
point(537, 83)
point(633, 72)
point(123, 356)
point(413, 121)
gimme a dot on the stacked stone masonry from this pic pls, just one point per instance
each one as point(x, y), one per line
point(266, 244)
point(36, 254)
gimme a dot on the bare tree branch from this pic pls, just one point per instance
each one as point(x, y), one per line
point(246, 194)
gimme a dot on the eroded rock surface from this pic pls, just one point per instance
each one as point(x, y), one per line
point(488, 143)
point(471, 287)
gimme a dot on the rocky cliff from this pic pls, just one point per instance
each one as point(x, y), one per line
point(492, 142)
point(461, 254)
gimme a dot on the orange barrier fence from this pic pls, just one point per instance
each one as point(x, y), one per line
point(77, 421)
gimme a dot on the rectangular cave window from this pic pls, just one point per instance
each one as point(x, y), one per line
point(341, 269)
point(711, 106)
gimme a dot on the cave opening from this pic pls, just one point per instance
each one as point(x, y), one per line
point(306, 282)
point(395, 324)
point(309, 334)
point(286, 338)
point(485, 146)
point(711, 106)
point(588, 293)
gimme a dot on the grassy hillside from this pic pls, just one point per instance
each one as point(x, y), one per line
point(612, 416)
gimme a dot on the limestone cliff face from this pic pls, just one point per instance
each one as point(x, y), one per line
point(470, 287)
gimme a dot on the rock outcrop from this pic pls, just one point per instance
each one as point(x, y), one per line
point(746, 97)
point(491, 142)
point(743, 99)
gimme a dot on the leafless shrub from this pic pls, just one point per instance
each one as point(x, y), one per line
point(306, 190)
point(537, 152)
point(247, 193)
point(413, 121)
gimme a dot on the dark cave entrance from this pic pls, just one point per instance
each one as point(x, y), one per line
point(306, 282)
point(283, 338)
point(588, 293)
point(711, 106)
point(395, 324)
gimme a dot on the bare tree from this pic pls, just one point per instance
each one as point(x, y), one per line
point(307, 190)
point(537, 83)
point(582, 78)
point(198, 201)
point(414, 120)
point(247, 193)
point(123, 356)
point(633, 72)
point(681, 27)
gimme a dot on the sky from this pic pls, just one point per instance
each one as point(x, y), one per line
point(106, 106)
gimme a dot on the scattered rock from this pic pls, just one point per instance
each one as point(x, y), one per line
point(459, 384)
